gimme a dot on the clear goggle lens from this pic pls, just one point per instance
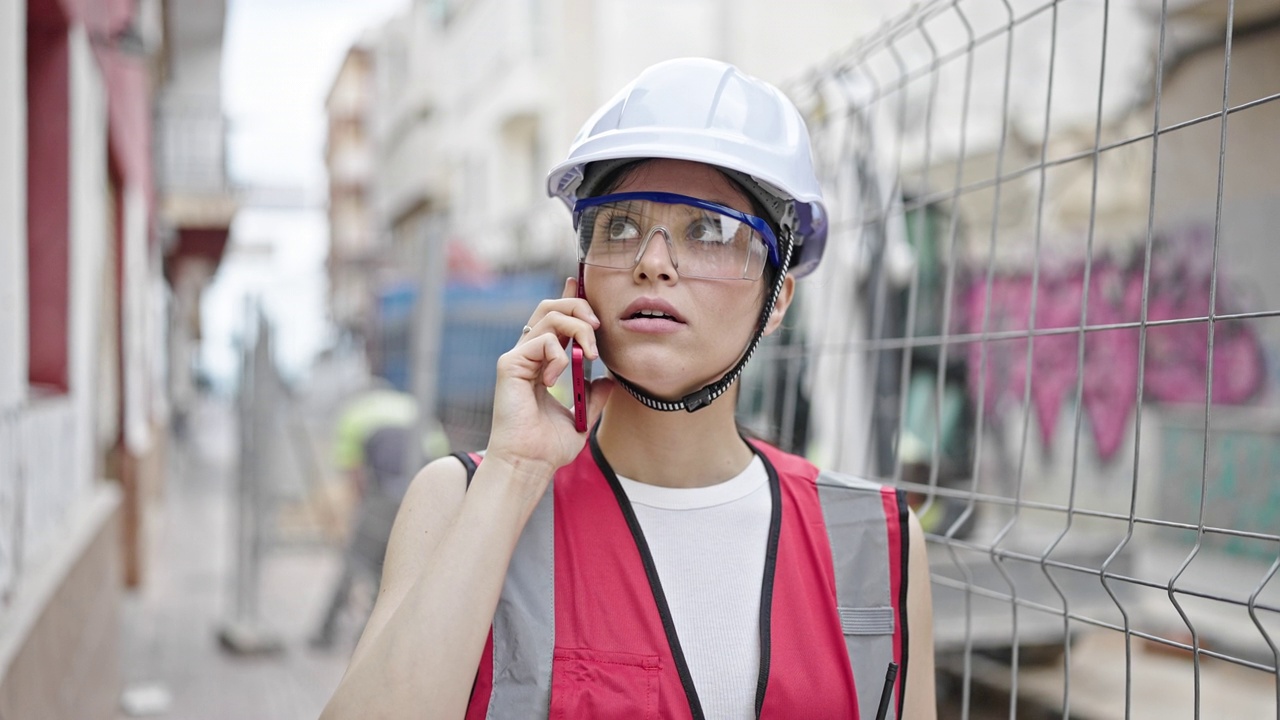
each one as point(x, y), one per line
point(704, 239)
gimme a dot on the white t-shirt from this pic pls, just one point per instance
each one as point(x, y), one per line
point(708, 545)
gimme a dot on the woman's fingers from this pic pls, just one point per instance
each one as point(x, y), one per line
point(567, 318)
point(564, 328)
point(569, 304)
point(555, 360)
point(537, 357)
point(574, 306)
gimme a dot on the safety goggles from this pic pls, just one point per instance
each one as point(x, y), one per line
point(704, 239)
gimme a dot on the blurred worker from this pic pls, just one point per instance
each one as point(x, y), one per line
point(376, 407)
point(372, 447)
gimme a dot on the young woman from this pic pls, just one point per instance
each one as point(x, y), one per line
point(659, 565)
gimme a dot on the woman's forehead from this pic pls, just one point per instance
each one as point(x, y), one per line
point(652, 211)
point(683, 177)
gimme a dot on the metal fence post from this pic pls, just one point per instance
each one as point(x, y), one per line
point(428, 322)
point(243, 632)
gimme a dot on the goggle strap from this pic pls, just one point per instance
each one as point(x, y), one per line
point(701, 398)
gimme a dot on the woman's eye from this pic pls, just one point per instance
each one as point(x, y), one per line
point(623, 229)
point(705, 230)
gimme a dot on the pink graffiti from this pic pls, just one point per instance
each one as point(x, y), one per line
point(1176, 355)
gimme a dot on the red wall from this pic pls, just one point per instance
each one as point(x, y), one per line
point(48, 203)
point(48, 160)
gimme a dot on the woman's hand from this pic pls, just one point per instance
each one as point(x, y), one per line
point(531, 429)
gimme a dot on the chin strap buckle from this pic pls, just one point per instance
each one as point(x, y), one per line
point(698, 400)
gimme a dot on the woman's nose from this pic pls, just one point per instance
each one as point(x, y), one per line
point(657, 258)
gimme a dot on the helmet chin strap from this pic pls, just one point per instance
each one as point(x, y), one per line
point(701, 398)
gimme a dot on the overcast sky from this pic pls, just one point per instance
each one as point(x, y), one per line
point(279, 58)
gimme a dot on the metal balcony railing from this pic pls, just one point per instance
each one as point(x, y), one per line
point(190, 147)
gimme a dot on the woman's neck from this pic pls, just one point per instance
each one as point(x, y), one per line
point(672, 449)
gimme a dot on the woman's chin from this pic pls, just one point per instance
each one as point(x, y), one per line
point(665, 384)
point(666, 371)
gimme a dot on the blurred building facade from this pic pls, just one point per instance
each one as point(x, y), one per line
point(349, 162)
point(197, 204)
point(83, 324)
point(475, 100)
point(467, 105)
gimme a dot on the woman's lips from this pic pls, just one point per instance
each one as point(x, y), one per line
point(657, 325)
point(651, 315)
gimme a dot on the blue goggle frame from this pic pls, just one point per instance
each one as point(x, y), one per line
point(755, 223)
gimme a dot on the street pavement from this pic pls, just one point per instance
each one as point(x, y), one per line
point(173, 663)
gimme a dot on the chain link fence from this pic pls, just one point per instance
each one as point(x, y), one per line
point(1048, 311)
point(284, 493)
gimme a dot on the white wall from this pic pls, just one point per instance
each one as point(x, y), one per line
point(91, 236)
point(195, 31)
point(58, 440)
point(780, 42)
point(13, 205)
point(190, 138)
point(13, 275)
point(140, 346)
point(1187, 185)
point(600, 45)
point(774, 41)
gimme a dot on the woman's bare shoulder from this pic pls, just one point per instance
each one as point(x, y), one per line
point(435, 494)
point(431, 503)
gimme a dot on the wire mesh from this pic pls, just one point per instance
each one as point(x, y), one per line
point(1047, 312)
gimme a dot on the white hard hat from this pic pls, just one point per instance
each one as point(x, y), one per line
point(710, 112)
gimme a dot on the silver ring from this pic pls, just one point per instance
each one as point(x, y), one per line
point(526, 330)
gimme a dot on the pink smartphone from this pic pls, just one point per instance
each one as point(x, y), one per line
point(579, 370)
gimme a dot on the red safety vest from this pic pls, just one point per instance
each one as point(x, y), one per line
point(582, 629)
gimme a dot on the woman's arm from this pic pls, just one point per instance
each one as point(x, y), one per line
point(446, 560)
point(450, 546)
point(920, 701)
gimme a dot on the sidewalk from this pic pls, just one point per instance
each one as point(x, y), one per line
point(169, 644)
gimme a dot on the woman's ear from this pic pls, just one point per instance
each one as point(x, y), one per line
point(780, 307)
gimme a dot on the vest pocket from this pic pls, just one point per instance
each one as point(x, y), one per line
point(602, 685)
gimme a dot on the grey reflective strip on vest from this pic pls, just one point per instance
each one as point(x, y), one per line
point(524, 623)
point(866, 621)
point(854, 514)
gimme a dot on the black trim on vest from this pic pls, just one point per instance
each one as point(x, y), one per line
point(468, 462)
point(766, 584)
point(904, 532)
point(660, 598)
point(651, 571)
